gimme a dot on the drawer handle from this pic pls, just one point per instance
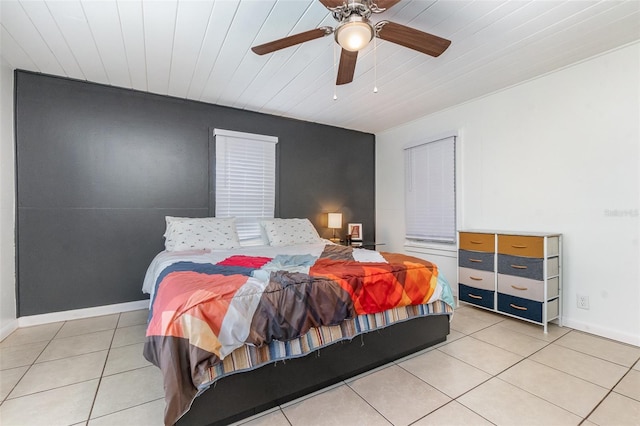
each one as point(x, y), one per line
point(518, 288)
point(475, 260)
point(520, 308)
point(518, 266)
point(475, 242)
point(476, 278)
point(518, 246)
point(473, 296)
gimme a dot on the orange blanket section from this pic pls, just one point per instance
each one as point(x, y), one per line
point(375, 287)
point(184, 293)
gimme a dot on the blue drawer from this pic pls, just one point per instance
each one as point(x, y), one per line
point(475, 260)
point(476, 296)
point(526, 267)
point(525, 308)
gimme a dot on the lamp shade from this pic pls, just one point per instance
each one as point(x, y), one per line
point(335, 220)
point(354, 35)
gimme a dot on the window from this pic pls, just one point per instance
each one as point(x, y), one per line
point(430, 191)
point(245, 179)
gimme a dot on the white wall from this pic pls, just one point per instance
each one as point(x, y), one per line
point(7, 204)
point(559, 153)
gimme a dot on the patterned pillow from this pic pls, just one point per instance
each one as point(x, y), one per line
point(287, 232)
point(185, 233)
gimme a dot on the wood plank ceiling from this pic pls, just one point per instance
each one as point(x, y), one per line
point(201, 50)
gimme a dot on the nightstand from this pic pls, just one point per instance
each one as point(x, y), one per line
point(369, 245)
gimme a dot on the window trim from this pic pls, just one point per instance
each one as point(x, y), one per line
point(445, 246)
point(212, 162)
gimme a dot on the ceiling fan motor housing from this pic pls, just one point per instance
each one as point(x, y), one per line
point(354, 33)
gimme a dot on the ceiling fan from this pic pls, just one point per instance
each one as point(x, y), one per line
point(354, 31)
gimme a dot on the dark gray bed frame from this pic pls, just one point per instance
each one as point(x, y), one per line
point(242, 395)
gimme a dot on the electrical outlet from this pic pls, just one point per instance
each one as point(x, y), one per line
point(582, 301)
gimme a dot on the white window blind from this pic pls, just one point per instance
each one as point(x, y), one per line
point(245, 166)
point(430, 191)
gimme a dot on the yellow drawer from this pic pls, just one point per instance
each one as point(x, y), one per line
point(475, 241)
point(519, 245)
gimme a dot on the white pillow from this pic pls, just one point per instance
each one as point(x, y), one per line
point(287, 232)
point(185, 233)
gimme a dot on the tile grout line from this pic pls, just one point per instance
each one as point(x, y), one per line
point(589, 355)
point(595, 356)
point(104, 366)
point(369, 404)
point(285, 415)
point(429, 384)
point(610, 392)
point(544, 399)
point(126, 408)
point(469, 390)
point(32, 364)
point(495, 376)
point(449, 402)
point(47, 342)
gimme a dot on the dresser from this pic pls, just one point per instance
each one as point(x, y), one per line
point(518, 274)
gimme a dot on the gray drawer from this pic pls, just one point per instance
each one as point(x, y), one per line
point(525, 267)
point(475, 260)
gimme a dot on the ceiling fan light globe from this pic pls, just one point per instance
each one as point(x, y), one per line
point(354, 36)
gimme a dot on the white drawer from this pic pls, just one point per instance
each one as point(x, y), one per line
point(525, 288)
point(553, 266)
point(553, 287)
point(477, 278)
point(553, 246)
point(552, 310)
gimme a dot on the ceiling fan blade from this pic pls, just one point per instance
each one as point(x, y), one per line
point(291, 40)
point(386, 4)
point(412, 38)
point(332, 3)
point(347, 67)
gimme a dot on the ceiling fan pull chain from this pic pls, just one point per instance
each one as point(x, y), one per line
point(335, 86)
point(375, 65)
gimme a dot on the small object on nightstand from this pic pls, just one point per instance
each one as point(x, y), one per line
point(355, 230)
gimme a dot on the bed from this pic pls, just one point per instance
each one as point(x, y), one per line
point(239, 329)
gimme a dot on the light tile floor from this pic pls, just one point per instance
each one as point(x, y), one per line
point(491, 370)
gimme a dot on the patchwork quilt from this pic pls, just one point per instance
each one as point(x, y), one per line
point(210, 307)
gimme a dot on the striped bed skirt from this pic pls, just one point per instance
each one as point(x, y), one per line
point(248, 357)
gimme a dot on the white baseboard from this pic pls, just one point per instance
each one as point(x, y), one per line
point(82, 313)
point(8, 328)
point(631, 339)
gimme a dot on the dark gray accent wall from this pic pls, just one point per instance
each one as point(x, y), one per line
point(99, 167)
